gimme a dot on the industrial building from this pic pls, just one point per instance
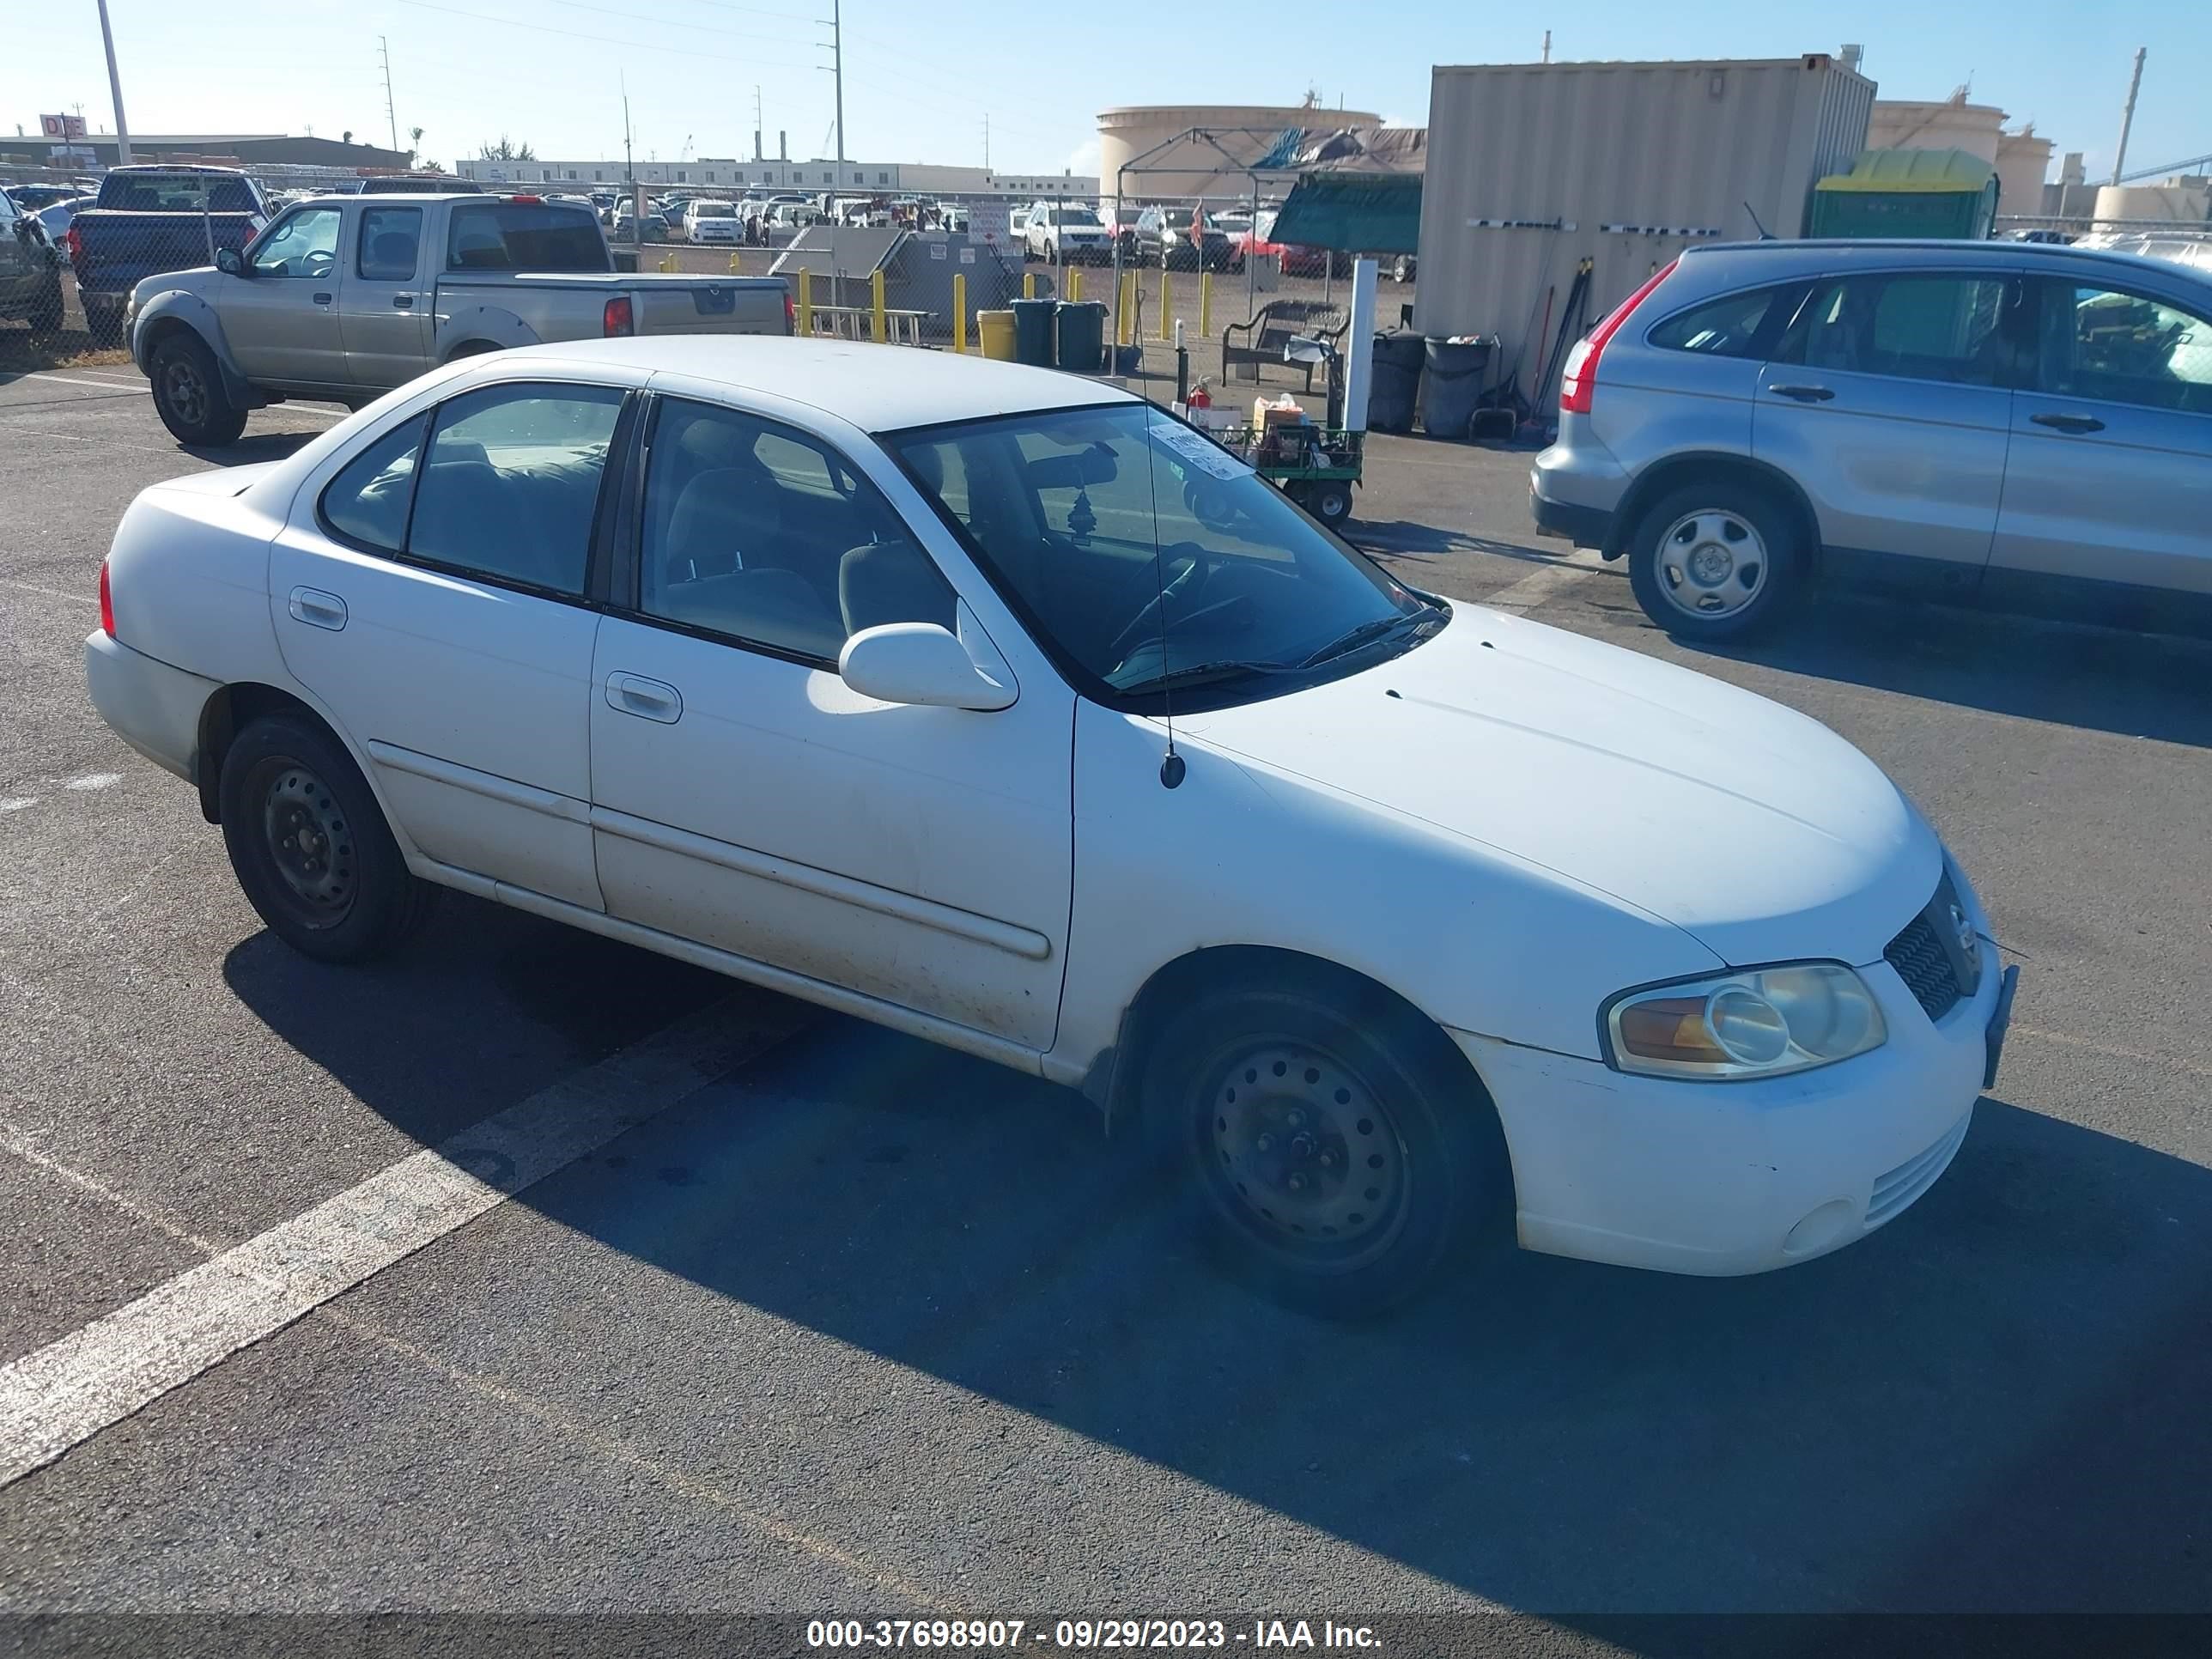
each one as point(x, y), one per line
point(228, 148)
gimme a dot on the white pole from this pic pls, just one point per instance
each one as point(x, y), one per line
point(2119, 156)
point(1359, 345)
point(115, 91)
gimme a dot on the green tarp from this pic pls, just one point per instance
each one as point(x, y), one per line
point(1353, 213)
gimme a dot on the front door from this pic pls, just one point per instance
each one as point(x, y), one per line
point(1889, 402)
point(2111, 476)
point(436, 610)
point(744, 797)
point(281, 318)
point(385, 305)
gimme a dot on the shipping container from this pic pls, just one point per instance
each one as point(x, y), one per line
point(1534, 168)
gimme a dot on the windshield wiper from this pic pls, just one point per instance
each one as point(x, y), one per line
point(1208, 673)
point(1375, 628)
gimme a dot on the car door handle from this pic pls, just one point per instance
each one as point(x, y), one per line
point(650, 699)
point(322, 299)
point(1803, 394)
point(402, 301)
point(317, 609)
point(2069, 422)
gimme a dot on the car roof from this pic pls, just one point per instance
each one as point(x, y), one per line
point(877, 388)
point(1937, 250)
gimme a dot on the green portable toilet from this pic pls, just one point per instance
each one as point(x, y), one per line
point(1950, 193)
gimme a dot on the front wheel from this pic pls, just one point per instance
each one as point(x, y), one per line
point(1323, 1150)
point(1716, 562)
point(189, 394)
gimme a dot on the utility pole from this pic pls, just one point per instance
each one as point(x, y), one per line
point(835, 46)
point(390, 114)
point(2119, 157)
point(115, 90)
point(758, 123)
point(987, 141)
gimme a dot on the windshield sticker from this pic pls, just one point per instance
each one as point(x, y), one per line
point(1196, 449)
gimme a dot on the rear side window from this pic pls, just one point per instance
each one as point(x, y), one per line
point(366, 503)
point(1734, 325)
point(390, 238)
point(2125, 348)
point(524, 236)
point(1916, 326)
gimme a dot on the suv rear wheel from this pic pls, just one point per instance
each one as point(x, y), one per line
point(1715, 561)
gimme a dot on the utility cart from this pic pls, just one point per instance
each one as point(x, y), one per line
point(1316, 464)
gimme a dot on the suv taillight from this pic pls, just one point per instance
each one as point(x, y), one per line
point(617, 319)
point(106, 604)
point(74, 241)
point(1578, 380)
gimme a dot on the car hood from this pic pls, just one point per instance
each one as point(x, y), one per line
point(1751, 827)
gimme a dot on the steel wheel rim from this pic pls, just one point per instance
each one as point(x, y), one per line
point(1712, 562)
point(310, 845)
point(1301, 1155)
point(186, 391)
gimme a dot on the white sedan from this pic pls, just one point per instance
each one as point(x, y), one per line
point(996, 706)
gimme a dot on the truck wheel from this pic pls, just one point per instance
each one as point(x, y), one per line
point(1321, 1147)
point(310, 847)
point(189, 395)
point(1328, 499)
point(1715, 561)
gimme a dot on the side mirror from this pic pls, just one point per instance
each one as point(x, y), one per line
point(919, 663)
point(229, 261)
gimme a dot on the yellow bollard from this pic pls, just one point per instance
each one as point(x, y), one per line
point(1125, 310)
point(733, 264)
point(668, 263)
point(1205, 305)
point(803, 322)
point(1074, 284)
point(960, 312)
point(876, 304)
point(1167, 303)
point(1029, 285)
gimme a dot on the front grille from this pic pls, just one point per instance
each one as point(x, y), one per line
point(1936, 972)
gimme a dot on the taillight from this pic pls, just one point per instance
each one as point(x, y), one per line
point(528, 201)
point(790, 316)
point(617, 319)
point(74, 241)
point(1578, 380)
point(106, 604)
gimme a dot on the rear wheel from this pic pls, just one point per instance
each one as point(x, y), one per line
point(310, 846)
point(1715, 561)
point(189, 394)
point(1328, 499)
point(1321, 1148)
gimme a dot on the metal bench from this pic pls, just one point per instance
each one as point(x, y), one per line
point(1267, 334)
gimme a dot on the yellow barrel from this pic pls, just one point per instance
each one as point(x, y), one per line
point(994, 333)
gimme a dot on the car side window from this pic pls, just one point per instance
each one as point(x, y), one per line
point(302, 244)
point(2123, 347)
point(760, 534)
point(1734, 325)
point(391, 238)
point(510, 484)
point(366, 503)
point(1933, 326)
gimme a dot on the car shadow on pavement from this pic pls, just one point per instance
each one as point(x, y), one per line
point(1995, 1402)
point(254, 447)
point(2112, 679)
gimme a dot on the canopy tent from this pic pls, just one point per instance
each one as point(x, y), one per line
point(1354, 212)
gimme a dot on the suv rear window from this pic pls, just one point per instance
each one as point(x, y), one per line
point(1734, 325)
point(176, 192)
point(525, 236)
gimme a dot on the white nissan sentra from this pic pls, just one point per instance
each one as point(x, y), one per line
point(997, 706)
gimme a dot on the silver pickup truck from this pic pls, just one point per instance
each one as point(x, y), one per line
point(342, 298)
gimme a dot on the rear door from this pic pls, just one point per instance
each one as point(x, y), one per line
point(384, 306)
point(2110, 475)
point(282, 318)
point(1889, 401)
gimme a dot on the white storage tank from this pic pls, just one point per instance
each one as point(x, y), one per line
point(2187, 202)
point(2023, 159)
point(1946, 123)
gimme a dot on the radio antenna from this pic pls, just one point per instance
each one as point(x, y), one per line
point(1171, 763)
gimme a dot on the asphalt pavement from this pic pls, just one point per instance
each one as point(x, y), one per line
point(825, 1320)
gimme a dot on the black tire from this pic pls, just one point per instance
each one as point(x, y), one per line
point(1328, 499)
point(310, 846)
point(1250, 1091)
point(1725, 525)
point(46, 317)
point(189, 394)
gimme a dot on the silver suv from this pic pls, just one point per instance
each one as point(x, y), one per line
point(2026, 426)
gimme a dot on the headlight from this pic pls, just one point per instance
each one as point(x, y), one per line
point(1763, 1022)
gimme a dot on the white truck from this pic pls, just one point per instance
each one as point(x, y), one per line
point(342, 298)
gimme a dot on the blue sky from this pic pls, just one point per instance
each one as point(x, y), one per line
point(920, 76)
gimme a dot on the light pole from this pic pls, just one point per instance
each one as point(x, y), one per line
point(115, 91)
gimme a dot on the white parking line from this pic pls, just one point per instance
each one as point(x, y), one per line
point(65, 379)
point(50, 592)
point(95, 1376)
point(1540, 584)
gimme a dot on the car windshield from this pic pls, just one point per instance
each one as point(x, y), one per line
point(1151, 561)
point(713, 211)
point(1073, 217)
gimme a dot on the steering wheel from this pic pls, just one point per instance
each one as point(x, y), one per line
point(1147, 614)
point(1153, 640)
point(319, 261)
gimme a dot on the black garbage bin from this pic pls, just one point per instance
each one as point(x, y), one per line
point(1394, 384)
point(1033, 331)
point(1455, 376)
point(1082, 328)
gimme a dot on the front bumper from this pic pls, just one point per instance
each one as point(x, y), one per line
point(152, 706)
point(1722, 1178)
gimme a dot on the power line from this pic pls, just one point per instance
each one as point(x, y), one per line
point(673, 23)
point(606, 40)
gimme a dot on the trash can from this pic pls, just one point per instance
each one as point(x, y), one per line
point(1033, 331)
point(994, 335)
point(1456, 375)
point(1082, 326)
point(1394, 384)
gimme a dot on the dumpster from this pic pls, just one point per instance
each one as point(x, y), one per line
point(1082, 328)
point(1395, 386)
point(1033, 331)
point(1455, 375)
point(994, 335)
